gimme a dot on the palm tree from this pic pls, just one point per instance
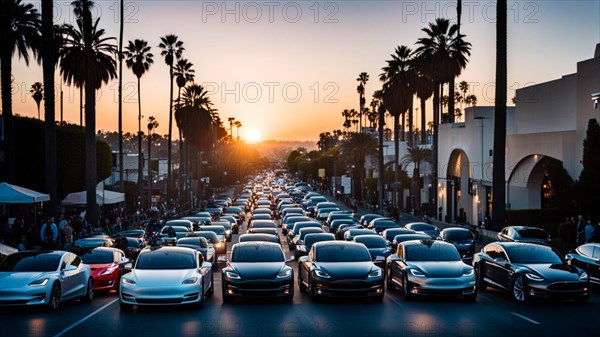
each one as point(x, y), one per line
point(355, 150)
point(152, 124)
point(238, 125)
point(138, 58)
point(88, 56)
point(183, 73)
point(397, 94)
point(37, 92)
point(440, 56)
point(362, 80)
point(20, 28)
point(424, 89)
point(499, 160)
point(120, 93)
point(231, 121)
point(171, 48)
point(416, 155)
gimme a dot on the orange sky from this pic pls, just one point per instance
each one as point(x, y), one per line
point(286, 70)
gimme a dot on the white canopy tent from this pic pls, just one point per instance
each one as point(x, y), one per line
point(103, 197)
point(13, 194)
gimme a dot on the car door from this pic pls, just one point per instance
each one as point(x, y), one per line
point(491, 270)
point(304, 264)
point(499, 270)
point(595, 267)
point(68, 276)
point(205, 271)
point(583, 257)
point(397, 265)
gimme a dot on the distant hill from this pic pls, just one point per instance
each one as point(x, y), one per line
point(280, 149)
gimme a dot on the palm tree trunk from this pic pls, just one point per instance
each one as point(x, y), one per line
point(140, 162)
point(81, 104)
point(6, 71)
point(396, 158)
point(181, 154)
point(120, 89)
point(498, 184)
point(451, 101)
point(381, 167)
point(90, 154)
point(410, 121)
point(170, 140)
point(51, 176)
point(434, 169)
point(423, 116)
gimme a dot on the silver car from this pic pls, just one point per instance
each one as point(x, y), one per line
point(428, 267)
point(44, 278)
point(167, 276)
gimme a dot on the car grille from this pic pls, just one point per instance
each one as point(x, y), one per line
point(564, 286)
point(159, 300)
point(349, 284)
point(265, 284)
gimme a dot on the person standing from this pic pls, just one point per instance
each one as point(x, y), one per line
point(580, 229)
point(49, 234)
point(68, 232)
point(589, 231)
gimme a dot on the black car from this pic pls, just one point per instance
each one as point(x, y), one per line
point(309, 240)
point(257, 269)
point(587, 257)
point(340, 268)
point(258, 237)
point(377, 247)
point(381, 224)
point(529, 270)
point(524, 234)
point(462, 238)
point(219, 245)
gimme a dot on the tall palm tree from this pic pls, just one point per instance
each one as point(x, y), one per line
point(499, 160)
point(238, 125)
point(362, 80)
point(424, 88)
point(37, 93)
point(88, 56)
point(172, 49)
point(139, 58)
point(231, 121)
point(355, 150)
point(120, 93)
point(440, 56)
point(397, 94)
point(416, 155)
point(183, 73)
point(20, 28)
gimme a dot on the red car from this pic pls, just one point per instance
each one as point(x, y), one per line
point(107, 266)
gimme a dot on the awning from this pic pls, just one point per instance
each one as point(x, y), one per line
point(13, 194)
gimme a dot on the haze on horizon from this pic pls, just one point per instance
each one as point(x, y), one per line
point(287, 69)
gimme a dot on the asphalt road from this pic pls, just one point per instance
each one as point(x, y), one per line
point(493, 314)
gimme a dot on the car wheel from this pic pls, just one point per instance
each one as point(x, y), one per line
point(89, 293)
point(518, 289)
point(55, 295)
point(211, 290)
point(388, 282)
point(481, 284)
point(226, 298)
point(301, 285)
point(406, 288)
point(125, 306)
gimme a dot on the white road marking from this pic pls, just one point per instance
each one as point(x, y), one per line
point(85, 318)
point(526, 318)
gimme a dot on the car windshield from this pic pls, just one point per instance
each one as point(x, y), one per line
point(166, 260)
point(425, 252)
point(30, 262)
point(90, 243)
point(532, 233)
point(342, 253)
point(218, 230)
point(192, 241)
point(97, 257)
point(532, 254)
point(423, 227)
point(257, 253)
point(210, 236)
point(458, 235)
point(371, 241)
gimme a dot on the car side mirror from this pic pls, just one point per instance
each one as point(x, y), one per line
point(500, 260)
point(70, 267)
point(290, 259)
point(206, 265)
point(303, 259)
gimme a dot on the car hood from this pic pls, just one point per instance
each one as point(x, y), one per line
point(441, 269)
point(99, 267)
point(20, 279)
point(554, 272)
point(347, 270)
point(161, 277)
point(257, 270)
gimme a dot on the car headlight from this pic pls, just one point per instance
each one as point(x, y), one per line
point(321, 273)
point(191, 280)
point(39, 283)
point(227, 232)
point(232, 275)
point(108, 270)
point(376, 273)
point(417, 273)
point(285, 273)
point(469, 272)
point(534, 277)
point(583, 277)
point(127, 281)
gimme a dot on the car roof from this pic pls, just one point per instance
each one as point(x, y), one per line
point(426, 242)
point(257, 243)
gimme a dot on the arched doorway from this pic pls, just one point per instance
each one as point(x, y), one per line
point(459, 200)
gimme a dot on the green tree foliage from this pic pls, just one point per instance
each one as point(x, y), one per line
point(588, 186)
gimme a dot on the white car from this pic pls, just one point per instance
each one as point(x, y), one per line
point(167, 276)
point(44, 278)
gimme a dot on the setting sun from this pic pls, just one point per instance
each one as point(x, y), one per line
point(253, 136)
